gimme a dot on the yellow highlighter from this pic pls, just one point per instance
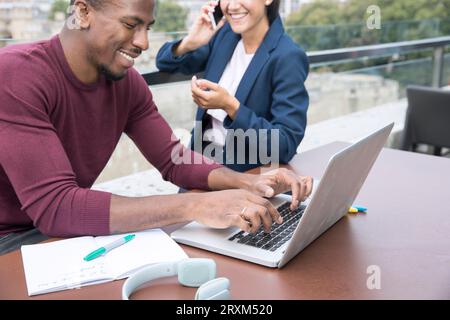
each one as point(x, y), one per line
point(356, 209)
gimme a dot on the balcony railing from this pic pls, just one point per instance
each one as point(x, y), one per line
point(318, 58)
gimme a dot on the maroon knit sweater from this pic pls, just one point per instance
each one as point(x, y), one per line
point(57, 134)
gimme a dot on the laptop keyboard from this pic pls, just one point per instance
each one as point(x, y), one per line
point(279, 233)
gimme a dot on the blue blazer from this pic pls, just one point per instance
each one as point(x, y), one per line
point(272, 93)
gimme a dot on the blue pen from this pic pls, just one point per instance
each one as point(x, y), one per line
point(360, 209)
point(108, 247)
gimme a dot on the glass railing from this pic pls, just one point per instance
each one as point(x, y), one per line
point(446, 72)
point(340, 81)
point(338, 88)
point(325, 37)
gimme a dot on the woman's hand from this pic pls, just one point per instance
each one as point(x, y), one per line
point(209, 95)
point(201, 31)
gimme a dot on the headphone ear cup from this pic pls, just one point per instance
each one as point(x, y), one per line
point(216, 289)
point(194, 272)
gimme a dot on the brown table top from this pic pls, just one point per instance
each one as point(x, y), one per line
point(406, 233)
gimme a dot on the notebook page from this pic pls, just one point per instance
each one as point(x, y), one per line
point(148, 247)
point(59, 265)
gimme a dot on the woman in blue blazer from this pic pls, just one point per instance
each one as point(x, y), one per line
point(254, 78)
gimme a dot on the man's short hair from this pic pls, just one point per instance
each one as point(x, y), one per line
point(96, 4)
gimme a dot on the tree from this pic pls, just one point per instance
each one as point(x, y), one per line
point(170, 17)
point(326, 24)
point(59, 6)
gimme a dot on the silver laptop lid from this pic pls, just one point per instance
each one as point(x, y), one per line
point(345, 174)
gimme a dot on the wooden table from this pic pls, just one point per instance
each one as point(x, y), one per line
point(406, 234)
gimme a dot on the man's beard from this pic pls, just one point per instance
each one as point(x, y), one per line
point(109, 75)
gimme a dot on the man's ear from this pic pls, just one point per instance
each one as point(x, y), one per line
point(82, 14)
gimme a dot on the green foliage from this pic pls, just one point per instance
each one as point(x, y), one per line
point(326, 24)
point(170, 17)
point(329, 24)
point(59, 6)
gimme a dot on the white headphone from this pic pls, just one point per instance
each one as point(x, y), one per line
point(193, 272)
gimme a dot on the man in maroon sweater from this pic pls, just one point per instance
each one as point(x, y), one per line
point(64, 104)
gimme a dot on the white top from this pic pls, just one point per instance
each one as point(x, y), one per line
point(231, 77)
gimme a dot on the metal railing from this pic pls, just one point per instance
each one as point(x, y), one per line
point(321, 57)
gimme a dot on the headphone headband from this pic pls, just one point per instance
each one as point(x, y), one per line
point(195, 272)
point(152, 272)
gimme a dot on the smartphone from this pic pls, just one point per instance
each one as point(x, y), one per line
point(216, 16)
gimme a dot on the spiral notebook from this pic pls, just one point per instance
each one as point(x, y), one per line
point(59, 265)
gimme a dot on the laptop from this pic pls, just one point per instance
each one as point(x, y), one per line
point(329, 202)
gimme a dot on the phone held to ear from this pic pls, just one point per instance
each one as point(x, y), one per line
point(216, 16)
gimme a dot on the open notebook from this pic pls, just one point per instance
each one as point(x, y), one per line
point(59, 265)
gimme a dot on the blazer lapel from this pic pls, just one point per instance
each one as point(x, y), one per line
point(223, 52)
point(259, 60)
point(252, 72)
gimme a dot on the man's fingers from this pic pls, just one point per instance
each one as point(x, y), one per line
point(306, 188)
point(269, 193)
point(237, 221)
point(268, 205)
point(265, 190)
point(310, 185)
point(296, 193)
point(301, 187)
point(253, 216)
point(304, 192)
point(266, 218)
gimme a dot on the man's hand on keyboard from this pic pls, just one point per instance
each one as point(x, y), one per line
point(282, 180)
point(237, 208)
